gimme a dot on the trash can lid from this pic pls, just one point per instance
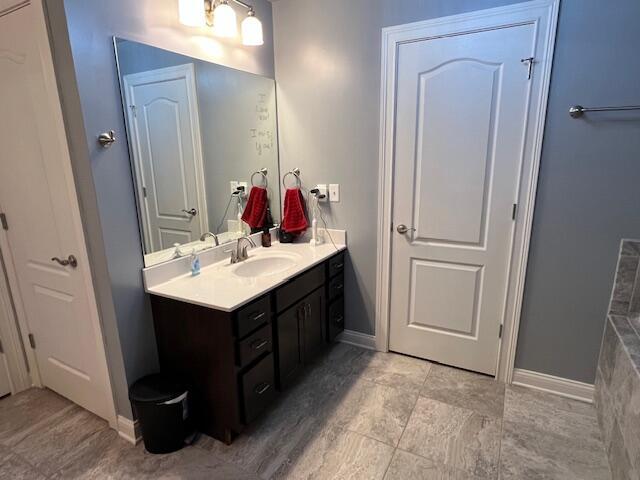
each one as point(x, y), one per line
point(156, 388)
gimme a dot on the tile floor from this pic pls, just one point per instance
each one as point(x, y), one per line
point(355, 414)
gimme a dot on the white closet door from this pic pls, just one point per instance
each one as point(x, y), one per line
point(38, 195)
point(461, 119)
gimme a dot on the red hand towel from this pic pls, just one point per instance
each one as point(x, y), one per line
point(255, 211)
point(294, 219)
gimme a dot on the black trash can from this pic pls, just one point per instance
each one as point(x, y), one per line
point(160, 404)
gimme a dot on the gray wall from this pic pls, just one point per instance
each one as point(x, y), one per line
point(328, 72)
point(83, 54)
point(588, 195)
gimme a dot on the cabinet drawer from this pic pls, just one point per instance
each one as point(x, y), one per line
point(255, 345)
point(258, 389)
point(336, 286)
point(336, 318)
point(253, 316)
point(336, 264)
point(299, 287)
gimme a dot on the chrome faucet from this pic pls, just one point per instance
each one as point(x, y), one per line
point(239, 254)
point(212, 235)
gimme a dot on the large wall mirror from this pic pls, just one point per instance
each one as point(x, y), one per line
point(198, 133)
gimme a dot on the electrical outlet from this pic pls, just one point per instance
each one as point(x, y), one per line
point(234, 184)
point(322, 190)
point(334, 192)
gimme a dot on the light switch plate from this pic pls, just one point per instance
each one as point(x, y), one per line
point(322, 190)
point(334, 192)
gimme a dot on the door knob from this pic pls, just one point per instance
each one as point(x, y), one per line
point(402, 229)
point(71, 261)
point(106, 139)
point(193, 212)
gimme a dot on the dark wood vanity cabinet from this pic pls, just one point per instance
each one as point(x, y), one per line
point(301, 335)
point(335, 295)
point(235, 362)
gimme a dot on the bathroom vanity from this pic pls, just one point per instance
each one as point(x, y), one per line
point(239, 334)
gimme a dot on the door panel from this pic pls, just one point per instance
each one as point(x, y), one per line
point(289, 345)
point(313, 329)
point(461, 109)
point(37, 194)
point(451, 175)
point(164, 119)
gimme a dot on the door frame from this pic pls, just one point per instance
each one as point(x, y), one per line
point(53, 103)
point(544, 15)
point(14, 351)
point(131, 80)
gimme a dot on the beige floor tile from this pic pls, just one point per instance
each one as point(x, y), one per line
point(456, 437)
point(474, 391)
point(334, 453)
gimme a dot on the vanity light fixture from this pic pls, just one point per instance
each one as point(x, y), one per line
point(191, 13)
point(252, 30)
point(219, 15)
point(224, 20)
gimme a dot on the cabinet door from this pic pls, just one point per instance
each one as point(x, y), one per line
point(313, 324)
point(289, 351)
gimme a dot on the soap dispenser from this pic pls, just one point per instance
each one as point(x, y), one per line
point(195, 263)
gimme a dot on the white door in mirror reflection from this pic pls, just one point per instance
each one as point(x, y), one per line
point(164, 133)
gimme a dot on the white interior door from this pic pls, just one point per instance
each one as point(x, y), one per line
point(163, 123)
point(38, 195)
point(461, 116)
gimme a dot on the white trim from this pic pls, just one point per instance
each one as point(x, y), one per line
point(129, 430)
point(544, 13)
point(358, 339)
point(132, 80)
point(556, 385)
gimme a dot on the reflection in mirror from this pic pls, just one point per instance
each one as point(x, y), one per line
point(200, 134)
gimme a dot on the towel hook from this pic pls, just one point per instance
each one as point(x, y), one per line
point(296, 173)
point(263, 172)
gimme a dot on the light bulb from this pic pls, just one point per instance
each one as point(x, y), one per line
point(191, 13)
point(252, 30)
point(224, 20)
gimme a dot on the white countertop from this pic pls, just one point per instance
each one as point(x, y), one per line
point(218, 287)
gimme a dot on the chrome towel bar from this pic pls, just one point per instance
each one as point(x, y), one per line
point(578, 111)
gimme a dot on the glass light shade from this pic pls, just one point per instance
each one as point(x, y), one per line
point(252, 31)
point(191, 13)
point(224, 21)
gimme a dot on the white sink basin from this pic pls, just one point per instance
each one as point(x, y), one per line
point(265, 265)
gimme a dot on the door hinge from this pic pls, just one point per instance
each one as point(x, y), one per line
point(514, 211)
point(500, 331)
point(1, 347)
point(133, 110)
point(32, 341)
point(391, 227)
point(529, 61)
point(3, 220)
point(144, 192)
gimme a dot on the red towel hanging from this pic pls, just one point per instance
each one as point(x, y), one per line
point(255, 212)
point(294, 219)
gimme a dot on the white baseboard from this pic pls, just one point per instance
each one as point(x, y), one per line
point(129, 430)
point(358, 339)
point(550, 384)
